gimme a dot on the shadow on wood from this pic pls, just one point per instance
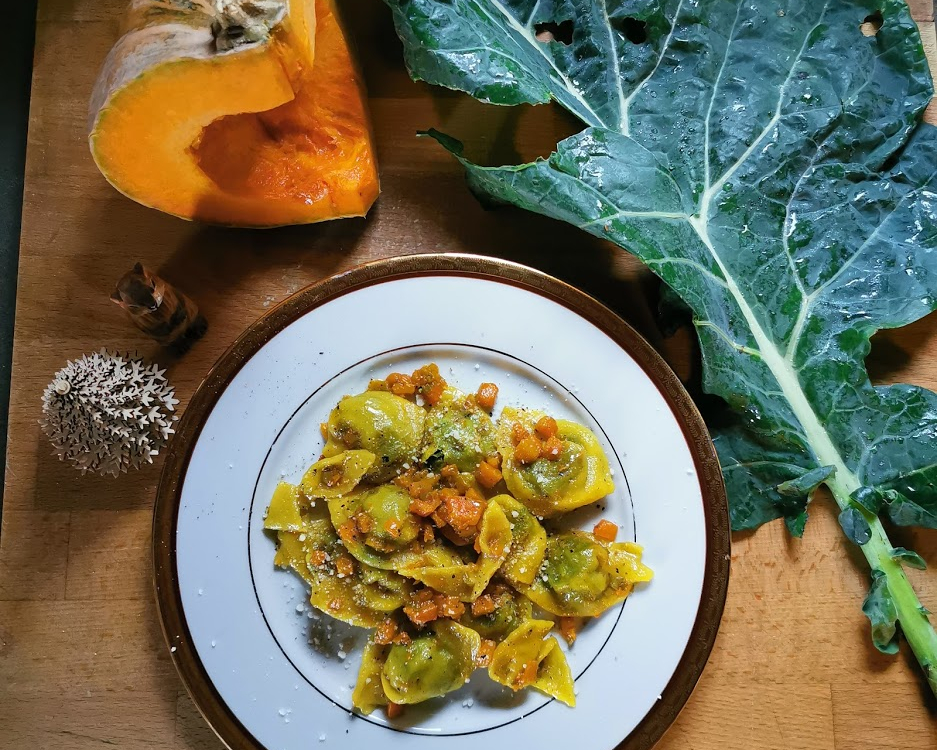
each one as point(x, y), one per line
point(58, 486)
point(898, 350)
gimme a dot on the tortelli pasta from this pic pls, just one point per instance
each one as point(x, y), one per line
point(388, 426)
point(433, 525)
point(458, 432)
point(582, 576)
point(577, 475)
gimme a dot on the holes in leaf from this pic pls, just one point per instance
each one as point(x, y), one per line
point(550, 31)
point(871, 23)
point(634, 29)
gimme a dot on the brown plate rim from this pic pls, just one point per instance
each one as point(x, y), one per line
point(215, 711)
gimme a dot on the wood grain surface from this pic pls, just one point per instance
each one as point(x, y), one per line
point(82, 661)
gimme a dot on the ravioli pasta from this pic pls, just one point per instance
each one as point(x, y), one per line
point(434, 525)
point(582, 576)
point(378, 529)
point(552, 484)
point(354, 593)
point(466, 581)
point(388, 426)
point(338, 475)
point(510, 609)
point(458, 432)
point(433, 663)
point(528, 658)
point(529, 541)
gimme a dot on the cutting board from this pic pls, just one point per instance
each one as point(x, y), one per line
point(82, 661)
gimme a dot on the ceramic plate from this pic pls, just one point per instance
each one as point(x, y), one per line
point(266, 672)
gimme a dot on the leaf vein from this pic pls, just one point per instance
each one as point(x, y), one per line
point(717, 186)
point(715, 88)
point(593, 118)
point(626, 122)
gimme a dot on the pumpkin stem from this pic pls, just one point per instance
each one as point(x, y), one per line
point(240, 22)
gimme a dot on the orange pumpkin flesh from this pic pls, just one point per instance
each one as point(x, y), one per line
point(261, 135)
point(325, 124)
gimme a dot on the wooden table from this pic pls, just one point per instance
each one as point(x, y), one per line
point(82, 661)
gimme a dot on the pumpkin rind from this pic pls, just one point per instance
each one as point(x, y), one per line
point(260, 134)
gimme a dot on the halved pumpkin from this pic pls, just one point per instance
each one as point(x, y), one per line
point(237, 112)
